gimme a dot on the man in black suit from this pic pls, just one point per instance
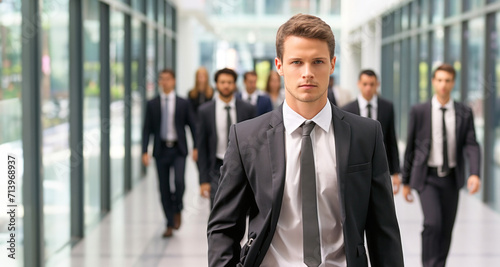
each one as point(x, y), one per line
point(166, 118)
point(251, 95)
point(312, 179)
point(372, 106)
point(215, 118)
point(440, 134)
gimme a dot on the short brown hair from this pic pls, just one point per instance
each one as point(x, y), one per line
point(252, 73)
point(169, 71)
point(306, 26)
point(225, 71)
point(445, 67)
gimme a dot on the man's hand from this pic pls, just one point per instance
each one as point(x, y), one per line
point(195, 155)
point(407, 193)
point(396, 182)
point(473, 184)
point(145, 159)
point(205, 190)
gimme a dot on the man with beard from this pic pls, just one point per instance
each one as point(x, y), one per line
point(215, 119)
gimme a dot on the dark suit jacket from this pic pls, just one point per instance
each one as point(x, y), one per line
point(253, 178)
point(263, 105)
point(419, 142)
point(207, 134)
point(152, 124)
point(385, 115)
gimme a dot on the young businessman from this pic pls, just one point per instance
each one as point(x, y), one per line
point(440, 134)
point(372, 106)
point(312, 179)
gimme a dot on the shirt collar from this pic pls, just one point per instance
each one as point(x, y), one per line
point(436, 105)
point(363, 102)
point(163, 95)
point(245, 94)
point(223, 104)
point(292, 120)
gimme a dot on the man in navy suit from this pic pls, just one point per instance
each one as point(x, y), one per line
point(440, 134)
point(253, 96)
point(166, 118)
point(372, 106)
point(215, 118)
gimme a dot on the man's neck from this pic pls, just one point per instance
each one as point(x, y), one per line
point(368, 99)
point(442, 100)
point(251, 92)
point(308, 110)
point(226, 99)
point(167, 91)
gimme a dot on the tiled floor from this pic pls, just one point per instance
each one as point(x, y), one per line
point(131, 234)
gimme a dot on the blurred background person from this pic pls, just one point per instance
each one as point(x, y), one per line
point(273, 89)
point(253, 95)
point(338, 96)
point(202, 91)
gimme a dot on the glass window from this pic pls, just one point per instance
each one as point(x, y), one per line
point(136, 100)
point(11, 117)
point(150, 64)
point(297, 6)
point(414, 71)
point(91, 112)
point(475, 74)
point(424, 12)
point(335, 7)
point(387, 25)
point(274, 6)
point(405, 17)
point(401, 114)
point(454, 7)
point(437, 47)
point(496, 119)
point(423, 68)
point(168, 16)
point(473, 4)
point(138, 5)
point(117, 110)
point(453, 53)
point(55, 125)
point(414, 14)
point(397, 21)
point(396, 97)
point(151, 9)
point(437, 10)
point(160, 56)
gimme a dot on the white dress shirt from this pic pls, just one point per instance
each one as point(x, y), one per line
point(253, 97)
point(436, 153)
point(363, 109)
point(171, 131)
point(221, 124)
point(286, 247)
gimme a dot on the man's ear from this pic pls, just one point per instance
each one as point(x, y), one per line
point(279, 66)
point(332, 62)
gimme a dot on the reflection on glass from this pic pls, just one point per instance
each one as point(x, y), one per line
point(397, 21)
point(454, 57)
point(150, 64)
point(414, 72)
point(55, 114)
point(475, 69)
point(405, 17)
point(11, 117)
point(423, 68)
point(396, 97)
point(474, 4)
point(160, 56)
point(437, 10)
point(136, 101)
point(151, 9)
point(454, 7)
point(424, 12)
point(437, 47)
point(414, 14)
point(274, 6)
point(91, 113)
point(117, 131)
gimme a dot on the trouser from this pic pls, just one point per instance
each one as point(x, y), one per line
point(214, 181)
point(439, 200)
point(171, 201)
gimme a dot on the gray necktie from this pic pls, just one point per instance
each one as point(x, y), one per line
point(445, 168)
point(228, 120)
point(369, 107)
point(164, 119)
point(310, 226)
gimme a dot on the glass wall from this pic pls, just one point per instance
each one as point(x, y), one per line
point(117, 106)
point(496, 118)
point(55, 112)
point(423, 68)
point(11, 119)
point(136, 101)
point(91, 112)
point(150, 64)
point(453, 56)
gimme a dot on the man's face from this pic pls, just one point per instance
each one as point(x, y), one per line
point(443, 83)
point(225, 84)
point(368, 86)
point(251, 83)
point(167, 82)
point(306, 67)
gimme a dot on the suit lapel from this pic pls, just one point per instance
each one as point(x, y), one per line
point(428, 122)
point(458, 120)
point(276, 141)
point(239, 115)
point(342, 131)
point(211, 118)
point(356, 108)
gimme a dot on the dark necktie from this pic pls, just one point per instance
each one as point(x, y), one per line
point(228, 120)
point(164, 119)
point(369, 107)
point(446, 168)
point(310, 226)
point(249, 99)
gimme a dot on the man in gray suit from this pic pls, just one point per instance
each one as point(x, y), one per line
point(312, 179)
point(215, 118)
point(440, 134)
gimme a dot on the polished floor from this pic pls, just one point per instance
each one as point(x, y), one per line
point(130, 236)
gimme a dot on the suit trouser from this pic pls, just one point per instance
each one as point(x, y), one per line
point(439, 200)
point(171, 201)
point(214, 181)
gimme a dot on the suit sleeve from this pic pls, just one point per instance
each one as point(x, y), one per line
point(392, 141)
point(410, 147)
point(226, 225)
point(146, 129)
point(471, 146)
point(191, 122)
point(382, 230)
point(202, 145)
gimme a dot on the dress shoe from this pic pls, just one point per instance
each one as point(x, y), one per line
point(168, 232)
point(177, 221)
